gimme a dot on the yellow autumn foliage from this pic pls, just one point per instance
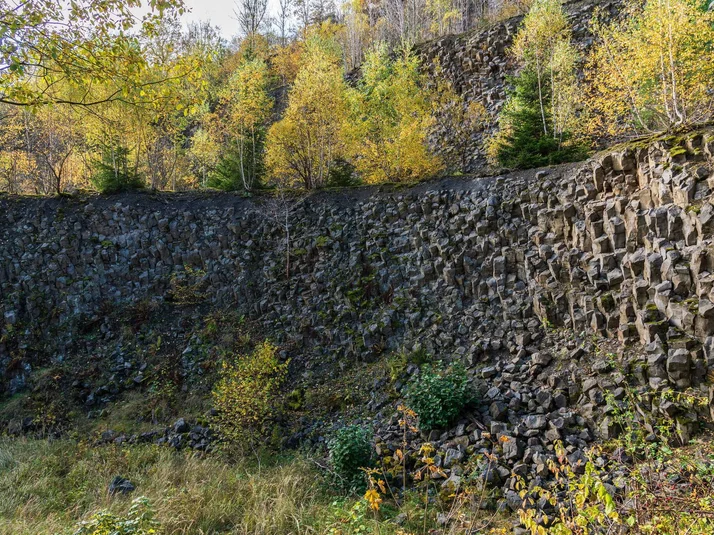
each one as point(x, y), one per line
point(245, 395)
point(304, 144)
point(390, 119)
point(652, 69)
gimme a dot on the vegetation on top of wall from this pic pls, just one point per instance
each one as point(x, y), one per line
point(651, 69)
point(190, 111)
point(538, 121)
point(648, 72)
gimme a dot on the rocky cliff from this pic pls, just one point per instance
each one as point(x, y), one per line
point(467, 269)
point(566, 292)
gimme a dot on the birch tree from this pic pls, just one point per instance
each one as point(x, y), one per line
point(652, 69)
point(303, 146)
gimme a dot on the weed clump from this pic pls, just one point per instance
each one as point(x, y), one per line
point(139, 521)
point(246, 395)
point(351, 452)
point(438, 395)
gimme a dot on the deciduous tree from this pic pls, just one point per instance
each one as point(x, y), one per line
point(304, 145)
point(46, 43)
point(251, 15)
point(390, 118)
point(245, 109)
point(652, 69)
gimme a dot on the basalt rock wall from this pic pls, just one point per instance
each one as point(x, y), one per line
point(466, 269)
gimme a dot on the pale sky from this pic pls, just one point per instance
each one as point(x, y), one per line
point(219, 13)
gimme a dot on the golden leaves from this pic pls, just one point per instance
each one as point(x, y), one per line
point(303, 145)
point(390, 119)
point(373, 499)
point(245, 394)
point(652, 69)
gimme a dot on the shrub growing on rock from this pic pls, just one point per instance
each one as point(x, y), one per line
point(350, 451)
point(651, 68)
point(246, 395)
point(438, 395)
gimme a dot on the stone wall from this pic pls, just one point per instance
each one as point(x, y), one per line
point(467, 269)
point(477, 64)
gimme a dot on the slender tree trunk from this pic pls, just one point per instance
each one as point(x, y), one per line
point(681, 115)
point(665, 91)
point(241, 158)
point(540, 97)
point(553, 103)
point(254, 165)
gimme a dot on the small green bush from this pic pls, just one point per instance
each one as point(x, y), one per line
point(247, 395)
point(522, 143)
point(239, 163)
point(350, 451)
point(438, 395)
point(139, 521)
point(342, 174)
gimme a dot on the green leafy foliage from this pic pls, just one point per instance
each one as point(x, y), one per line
point(244, 110)
point(438, 395)
point(80, 43)
point(540, 115)
point(138, 521)
point(524, 144)
point(231, 169)
point(390, 118)
point(246, 395)
point(350, 452)
point(342, 174)
point(651, 69)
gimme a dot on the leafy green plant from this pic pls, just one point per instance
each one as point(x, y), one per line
point(350, 452)
point(138, 521)
point(521, 143)
point(246, 394)
point(342, 174)
point(438, 395)
point(398, 362)
point(590, 508)
point(188, 287)
point(231, 174)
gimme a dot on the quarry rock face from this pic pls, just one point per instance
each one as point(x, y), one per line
point(464, 269)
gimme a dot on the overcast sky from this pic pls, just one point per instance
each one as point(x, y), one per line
point(219, 13)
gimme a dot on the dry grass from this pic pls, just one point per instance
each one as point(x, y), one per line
point(45, 488)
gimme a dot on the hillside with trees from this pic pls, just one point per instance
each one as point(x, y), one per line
point(424, 267)
point(167, 108)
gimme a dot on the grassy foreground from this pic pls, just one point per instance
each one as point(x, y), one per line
point(46, 487)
